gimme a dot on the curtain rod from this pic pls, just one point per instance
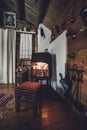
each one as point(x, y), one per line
point(25, 32)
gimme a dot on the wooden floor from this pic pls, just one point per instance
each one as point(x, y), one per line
point(56, 114)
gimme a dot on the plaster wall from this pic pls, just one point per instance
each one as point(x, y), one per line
point(58, 50)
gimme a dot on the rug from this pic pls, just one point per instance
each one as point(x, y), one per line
point(5, 98)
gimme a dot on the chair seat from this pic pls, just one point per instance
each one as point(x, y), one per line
point(30, 85)
point(28, 89)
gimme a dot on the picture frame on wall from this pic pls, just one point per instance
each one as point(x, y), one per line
point(10, 19)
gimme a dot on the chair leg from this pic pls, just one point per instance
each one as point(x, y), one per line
point(34, 105)
point(17, 103)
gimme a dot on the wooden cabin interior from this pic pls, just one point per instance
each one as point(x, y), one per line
point(45, 42)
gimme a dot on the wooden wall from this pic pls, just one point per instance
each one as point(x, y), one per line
point(79, 46)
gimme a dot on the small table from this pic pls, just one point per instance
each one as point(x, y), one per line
point(28, 92)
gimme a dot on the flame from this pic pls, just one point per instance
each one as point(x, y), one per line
point(40, 66)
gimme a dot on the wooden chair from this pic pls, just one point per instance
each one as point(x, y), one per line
point(28, 92)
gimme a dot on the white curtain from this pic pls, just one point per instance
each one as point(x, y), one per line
point(7, 55)
point(25, 46)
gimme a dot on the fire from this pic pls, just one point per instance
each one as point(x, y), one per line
point(40, 69)
point(40, 66)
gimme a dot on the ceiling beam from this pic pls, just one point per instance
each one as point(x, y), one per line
point(43, 9)
point(21, 9)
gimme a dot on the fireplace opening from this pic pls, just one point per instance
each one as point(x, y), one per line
point(41, 64)
point(40, 69)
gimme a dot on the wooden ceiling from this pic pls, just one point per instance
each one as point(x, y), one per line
point(49, 12)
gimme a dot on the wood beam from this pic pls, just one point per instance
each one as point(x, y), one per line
point(43, 9)
point(21, 7)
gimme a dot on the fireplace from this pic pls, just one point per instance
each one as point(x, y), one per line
point(41, 67)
